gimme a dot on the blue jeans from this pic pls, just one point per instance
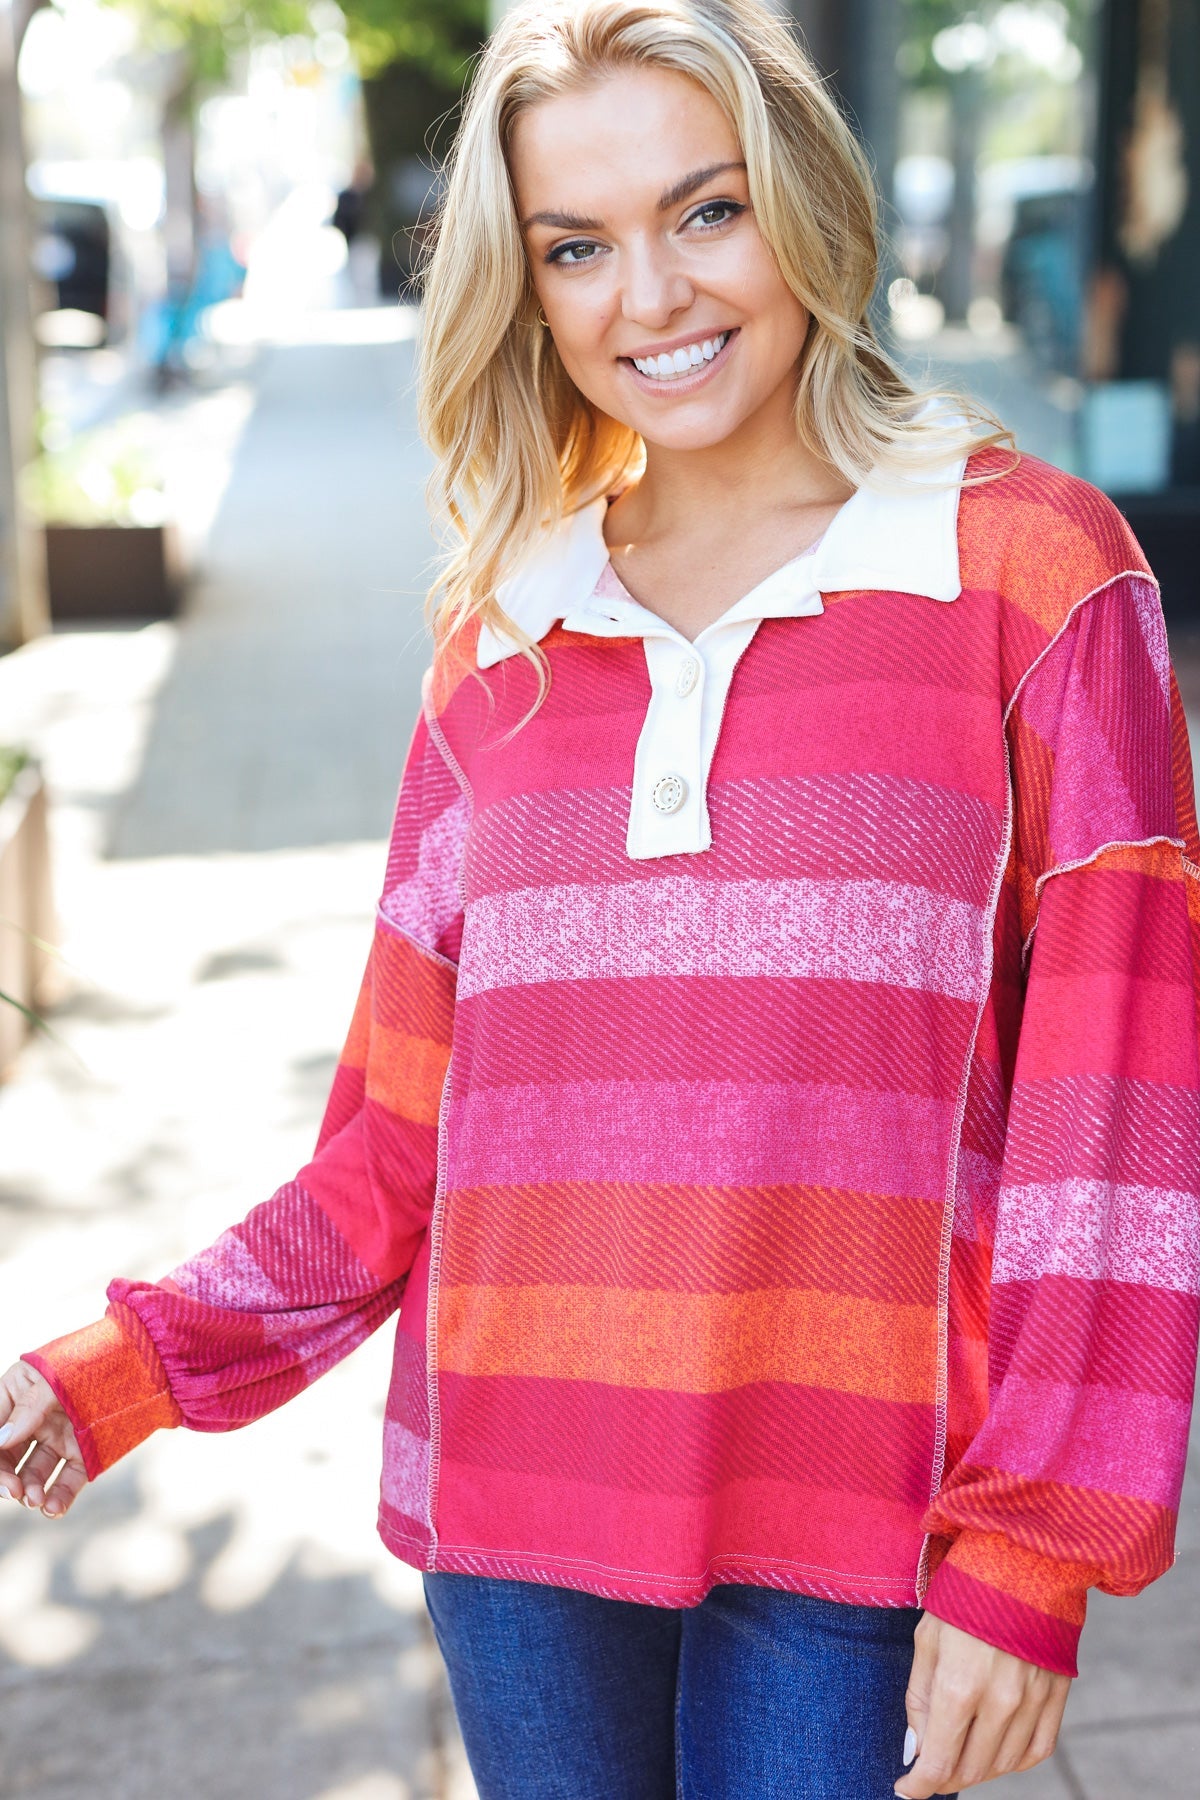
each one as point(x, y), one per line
point(752, 1695)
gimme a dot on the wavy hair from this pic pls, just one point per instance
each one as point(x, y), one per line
point(516, 444)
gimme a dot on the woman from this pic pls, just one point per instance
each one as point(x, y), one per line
point(772, 1099)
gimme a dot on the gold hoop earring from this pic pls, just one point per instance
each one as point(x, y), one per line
point(542, 319)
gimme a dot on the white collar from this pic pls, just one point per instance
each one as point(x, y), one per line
point(900, 540)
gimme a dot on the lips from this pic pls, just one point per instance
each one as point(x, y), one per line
point(682, 366)
point(669, 365)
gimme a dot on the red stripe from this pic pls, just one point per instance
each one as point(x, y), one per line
point(648, 1441)
point(1003, 1620)
point(864, 1034)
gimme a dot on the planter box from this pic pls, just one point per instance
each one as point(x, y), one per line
point(113, 571)
point(26, 910)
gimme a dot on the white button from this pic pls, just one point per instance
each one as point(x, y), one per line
point(687, 678)
point(669, 793)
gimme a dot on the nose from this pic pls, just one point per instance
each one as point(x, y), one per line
point(655, 287)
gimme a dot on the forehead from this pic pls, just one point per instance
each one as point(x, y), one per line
point(622, 138)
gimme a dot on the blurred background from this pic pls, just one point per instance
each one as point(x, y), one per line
point(213, 553)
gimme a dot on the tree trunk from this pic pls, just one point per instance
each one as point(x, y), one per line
point(23, 608)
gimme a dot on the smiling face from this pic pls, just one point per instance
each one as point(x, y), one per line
point(667, 308)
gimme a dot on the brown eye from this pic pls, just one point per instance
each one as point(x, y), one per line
point(714, 213)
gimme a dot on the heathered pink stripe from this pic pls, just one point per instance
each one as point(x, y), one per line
point(1099, 1230)
point(316, 1351)
point(423, 905)
point(1112, 1439)
point(405, 1470)
point(721, 1133)
point(830, 930)
point(227, 1276)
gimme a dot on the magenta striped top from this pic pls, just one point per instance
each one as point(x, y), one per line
point(801, 1189)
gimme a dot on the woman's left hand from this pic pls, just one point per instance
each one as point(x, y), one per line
point(976, 1711)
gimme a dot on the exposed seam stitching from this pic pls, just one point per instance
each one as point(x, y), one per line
point(431, 1327)
point(435, 956)
point(945, 1246)
point(1043, 653)
point(134, 1406)
point(743, 1557)
point(1083, 862)
point(939, 1451)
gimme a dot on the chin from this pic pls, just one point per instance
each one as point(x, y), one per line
point(686, 434)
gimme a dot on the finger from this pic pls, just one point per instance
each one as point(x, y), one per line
point(1014, 1746)
point(18, 1385)
point(977, 1757)
point(1045, 1732)
point(36, 1471)
point(950, 1719)
point(24, 1422)
point(68, 1484)
point(920, 1686)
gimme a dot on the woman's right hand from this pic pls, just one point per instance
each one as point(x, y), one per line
point(30, 1410)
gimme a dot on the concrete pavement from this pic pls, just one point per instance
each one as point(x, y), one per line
point(216, 1618)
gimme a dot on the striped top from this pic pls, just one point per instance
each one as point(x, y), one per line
point(817, 1208)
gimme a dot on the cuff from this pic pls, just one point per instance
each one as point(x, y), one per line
point(1023, 1602)
point(112, 1385)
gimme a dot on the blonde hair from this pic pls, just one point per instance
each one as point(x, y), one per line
point(517, 445)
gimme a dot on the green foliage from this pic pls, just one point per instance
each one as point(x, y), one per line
point(438, 36)
point(923, 19)
point(108, 476)
point(206, 33)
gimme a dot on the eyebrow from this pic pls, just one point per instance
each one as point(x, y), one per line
point(567, 221)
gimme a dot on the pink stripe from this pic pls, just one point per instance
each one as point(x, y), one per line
point(1109, 1439)
point(823, 930)
point(405, 1471)
point(716, 1132)
point(227, 1276)
point(1100, 1230)
point(424, 905)
point(315, 1351)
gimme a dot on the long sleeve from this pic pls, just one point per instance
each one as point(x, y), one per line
point(278, 1299)
point(1072, 1480)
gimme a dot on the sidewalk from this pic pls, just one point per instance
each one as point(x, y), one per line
point(216, 1618)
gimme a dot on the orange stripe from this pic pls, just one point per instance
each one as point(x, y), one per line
point(112, 1381)
point(691, 1343)
point(1056, 1588)
point(354, 1051)
point(405, 1074)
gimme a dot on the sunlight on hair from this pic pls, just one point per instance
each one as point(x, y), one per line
point(516, 444)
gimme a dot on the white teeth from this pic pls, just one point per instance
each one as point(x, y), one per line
point(672, 363)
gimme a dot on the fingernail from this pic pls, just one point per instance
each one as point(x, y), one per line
point(5, 1434)
point(910, 1746)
